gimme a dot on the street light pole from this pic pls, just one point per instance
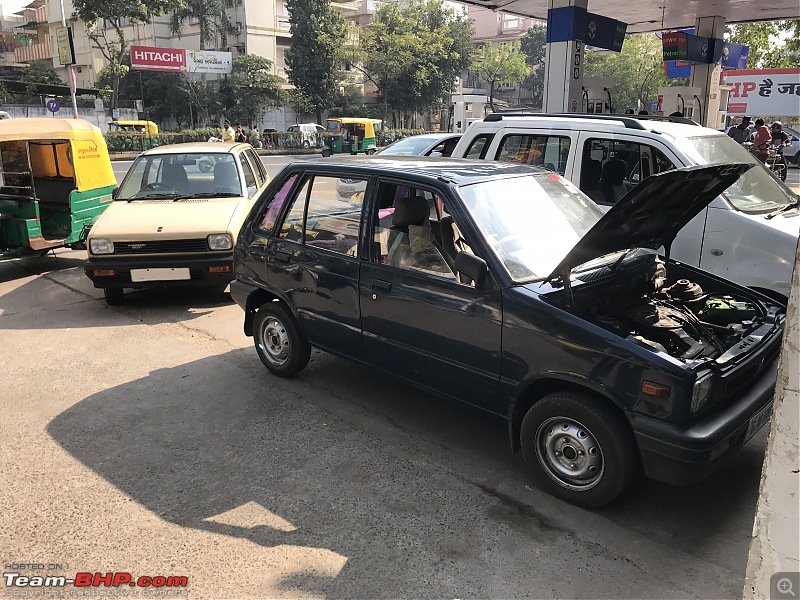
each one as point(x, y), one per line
point(72, 81)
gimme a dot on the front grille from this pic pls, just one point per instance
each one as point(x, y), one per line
point(162, 247)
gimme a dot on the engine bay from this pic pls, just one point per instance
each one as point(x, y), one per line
point(679, 318)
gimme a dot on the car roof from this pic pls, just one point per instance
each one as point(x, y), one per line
point(600, 123)
point(430, 136)
point(206, 147)
point(460, 171)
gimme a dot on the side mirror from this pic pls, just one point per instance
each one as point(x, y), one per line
point(435, 154)
point(472, 266)
point(115, 193)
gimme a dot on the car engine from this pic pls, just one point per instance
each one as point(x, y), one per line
point(681, 319)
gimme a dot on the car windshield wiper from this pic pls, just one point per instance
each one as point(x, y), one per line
point(151, 197)
point(782, 209)
point(207, 195)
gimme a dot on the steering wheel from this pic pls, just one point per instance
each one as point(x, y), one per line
point(159, 187)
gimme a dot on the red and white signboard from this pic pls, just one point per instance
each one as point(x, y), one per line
point(147, 58)
point(764, 92)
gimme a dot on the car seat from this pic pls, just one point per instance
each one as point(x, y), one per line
point(226, 178)
point(612, 184)
point(410, 229)
point(591, 172)
point(174, 176)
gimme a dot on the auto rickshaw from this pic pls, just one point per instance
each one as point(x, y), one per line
point(143, 134)
point(55, 180)
point(349, 135)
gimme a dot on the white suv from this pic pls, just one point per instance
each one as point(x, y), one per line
point(310, 133)
point(748, 234)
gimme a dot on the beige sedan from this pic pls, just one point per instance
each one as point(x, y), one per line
point(175, 218)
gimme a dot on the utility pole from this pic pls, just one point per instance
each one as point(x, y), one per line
point(72, 81)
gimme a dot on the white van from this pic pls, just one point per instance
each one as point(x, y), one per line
point(310, 133)
point(748, 234)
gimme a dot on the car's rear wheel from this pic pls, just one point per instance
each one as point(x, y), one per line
point(279, 342)
point(326, 152)
point(306, 144)
point(581, 449)
point(371, 151)
point(114, 296)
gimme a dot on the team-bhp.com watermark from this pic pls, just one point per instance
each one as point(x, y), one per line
point(20, 582)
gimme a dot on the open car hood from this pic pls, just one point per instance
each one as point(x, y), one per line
point(652, 213)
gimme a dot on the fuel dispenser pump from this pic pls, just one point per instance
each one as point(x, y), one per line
point(597, 95)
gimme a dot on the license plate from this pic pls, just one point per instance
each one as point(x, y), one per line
point(760, 419)
point(170, 274)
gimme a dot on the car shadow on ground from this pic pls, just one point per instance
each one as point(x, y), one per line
point(343, 457)
point(12, 270)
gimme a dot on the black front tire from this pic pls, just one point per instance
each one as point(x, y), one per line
point(114, 296)
point(326, 152)
point(580, 448)
point(279, 342)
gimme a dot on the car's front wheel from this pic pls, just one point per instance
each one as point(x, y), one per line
point(580, 448)
point(279, 342)
point(114, 296)
point(326, 152)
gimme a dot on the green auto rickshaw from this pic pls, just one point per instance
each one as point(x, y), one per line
point(349, 135)
point(55, 180)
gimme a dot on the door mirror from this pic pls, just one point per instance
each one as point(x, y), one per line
point(436, 154)
point(115, 193)
point(472, 266)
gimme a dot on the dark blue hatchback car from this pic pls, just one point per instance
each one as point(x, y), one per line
point(505, 287)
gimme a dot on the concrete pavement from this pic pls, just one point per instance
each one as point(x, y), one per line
point(149, 438)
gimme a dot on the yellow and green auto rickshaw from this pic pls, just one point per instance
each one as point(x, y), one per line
point(349, 135)
point(55, 180)
point(136, 135)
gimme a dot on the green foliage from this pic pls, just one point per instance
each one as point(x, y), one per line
point(637, 72)
point(211, 17)
point(105, 20)
point(504, 64)
point(414, 55)
point(767, 50)
point(533, 45)
point(316, 52)
point(252, 88)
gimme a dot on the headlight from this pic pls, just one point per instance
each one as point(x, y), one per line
point(101, 246)
point(702, 391)
point(220, 241)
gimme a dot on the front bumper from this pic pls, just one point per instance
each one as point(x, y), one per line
point(198, 269)
point(686, 455)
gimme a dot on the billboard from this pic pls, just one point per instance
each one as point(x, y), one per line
point(764, 92)
point(148, 58)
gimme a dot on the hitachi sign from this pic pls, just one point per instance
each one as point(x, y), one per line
point(146, 58)
point(155, 56)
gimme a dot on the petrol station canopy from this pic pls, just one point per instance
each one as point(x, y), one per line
point(665, 15)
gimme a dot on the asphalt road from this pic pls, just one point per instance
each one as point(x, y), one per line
point(149, 438)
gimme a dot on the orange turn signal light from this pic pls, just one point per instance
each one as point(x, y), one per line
point(104, 272)
point(654, 389)
point(220, 269)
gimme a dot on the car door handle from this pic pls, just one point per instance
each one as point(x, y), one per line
point(380, 284)
point(258, 251)
point(282, 255)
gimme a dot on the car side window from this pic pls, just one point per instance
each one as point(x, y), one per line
point(478, 147)
point(548, 151)
point(293, 225)
point(411, 233)
point(333, 219)
point(611, 168)
point(267, 222)
point(249, 177)
point(258, 167)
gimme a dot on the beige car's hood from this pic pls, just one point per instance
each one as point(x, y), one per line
point(144, 220)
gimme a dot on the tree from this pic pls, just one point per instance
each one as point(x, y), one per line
point(211, 17)
point(414, 55)
point(637, 72)
point(251, 88)
point(316, 52)
point(503, 64)
point(533, 45)
point(105, 21)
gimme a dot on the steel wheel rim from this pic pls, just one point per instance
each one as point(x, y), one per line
point(274, 342)
point(569, 453)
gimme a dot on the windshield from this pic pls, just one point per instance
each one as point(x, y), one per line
point(531, 222)
point(333, 126)
point(411, 146)
point(757, 191)
point(170, 175)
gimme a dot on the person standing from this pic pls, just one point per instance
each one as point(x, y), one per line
point(241, 136)
point(741, 132)
point(779, 140)
point(228, 134)
point(762, 139)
